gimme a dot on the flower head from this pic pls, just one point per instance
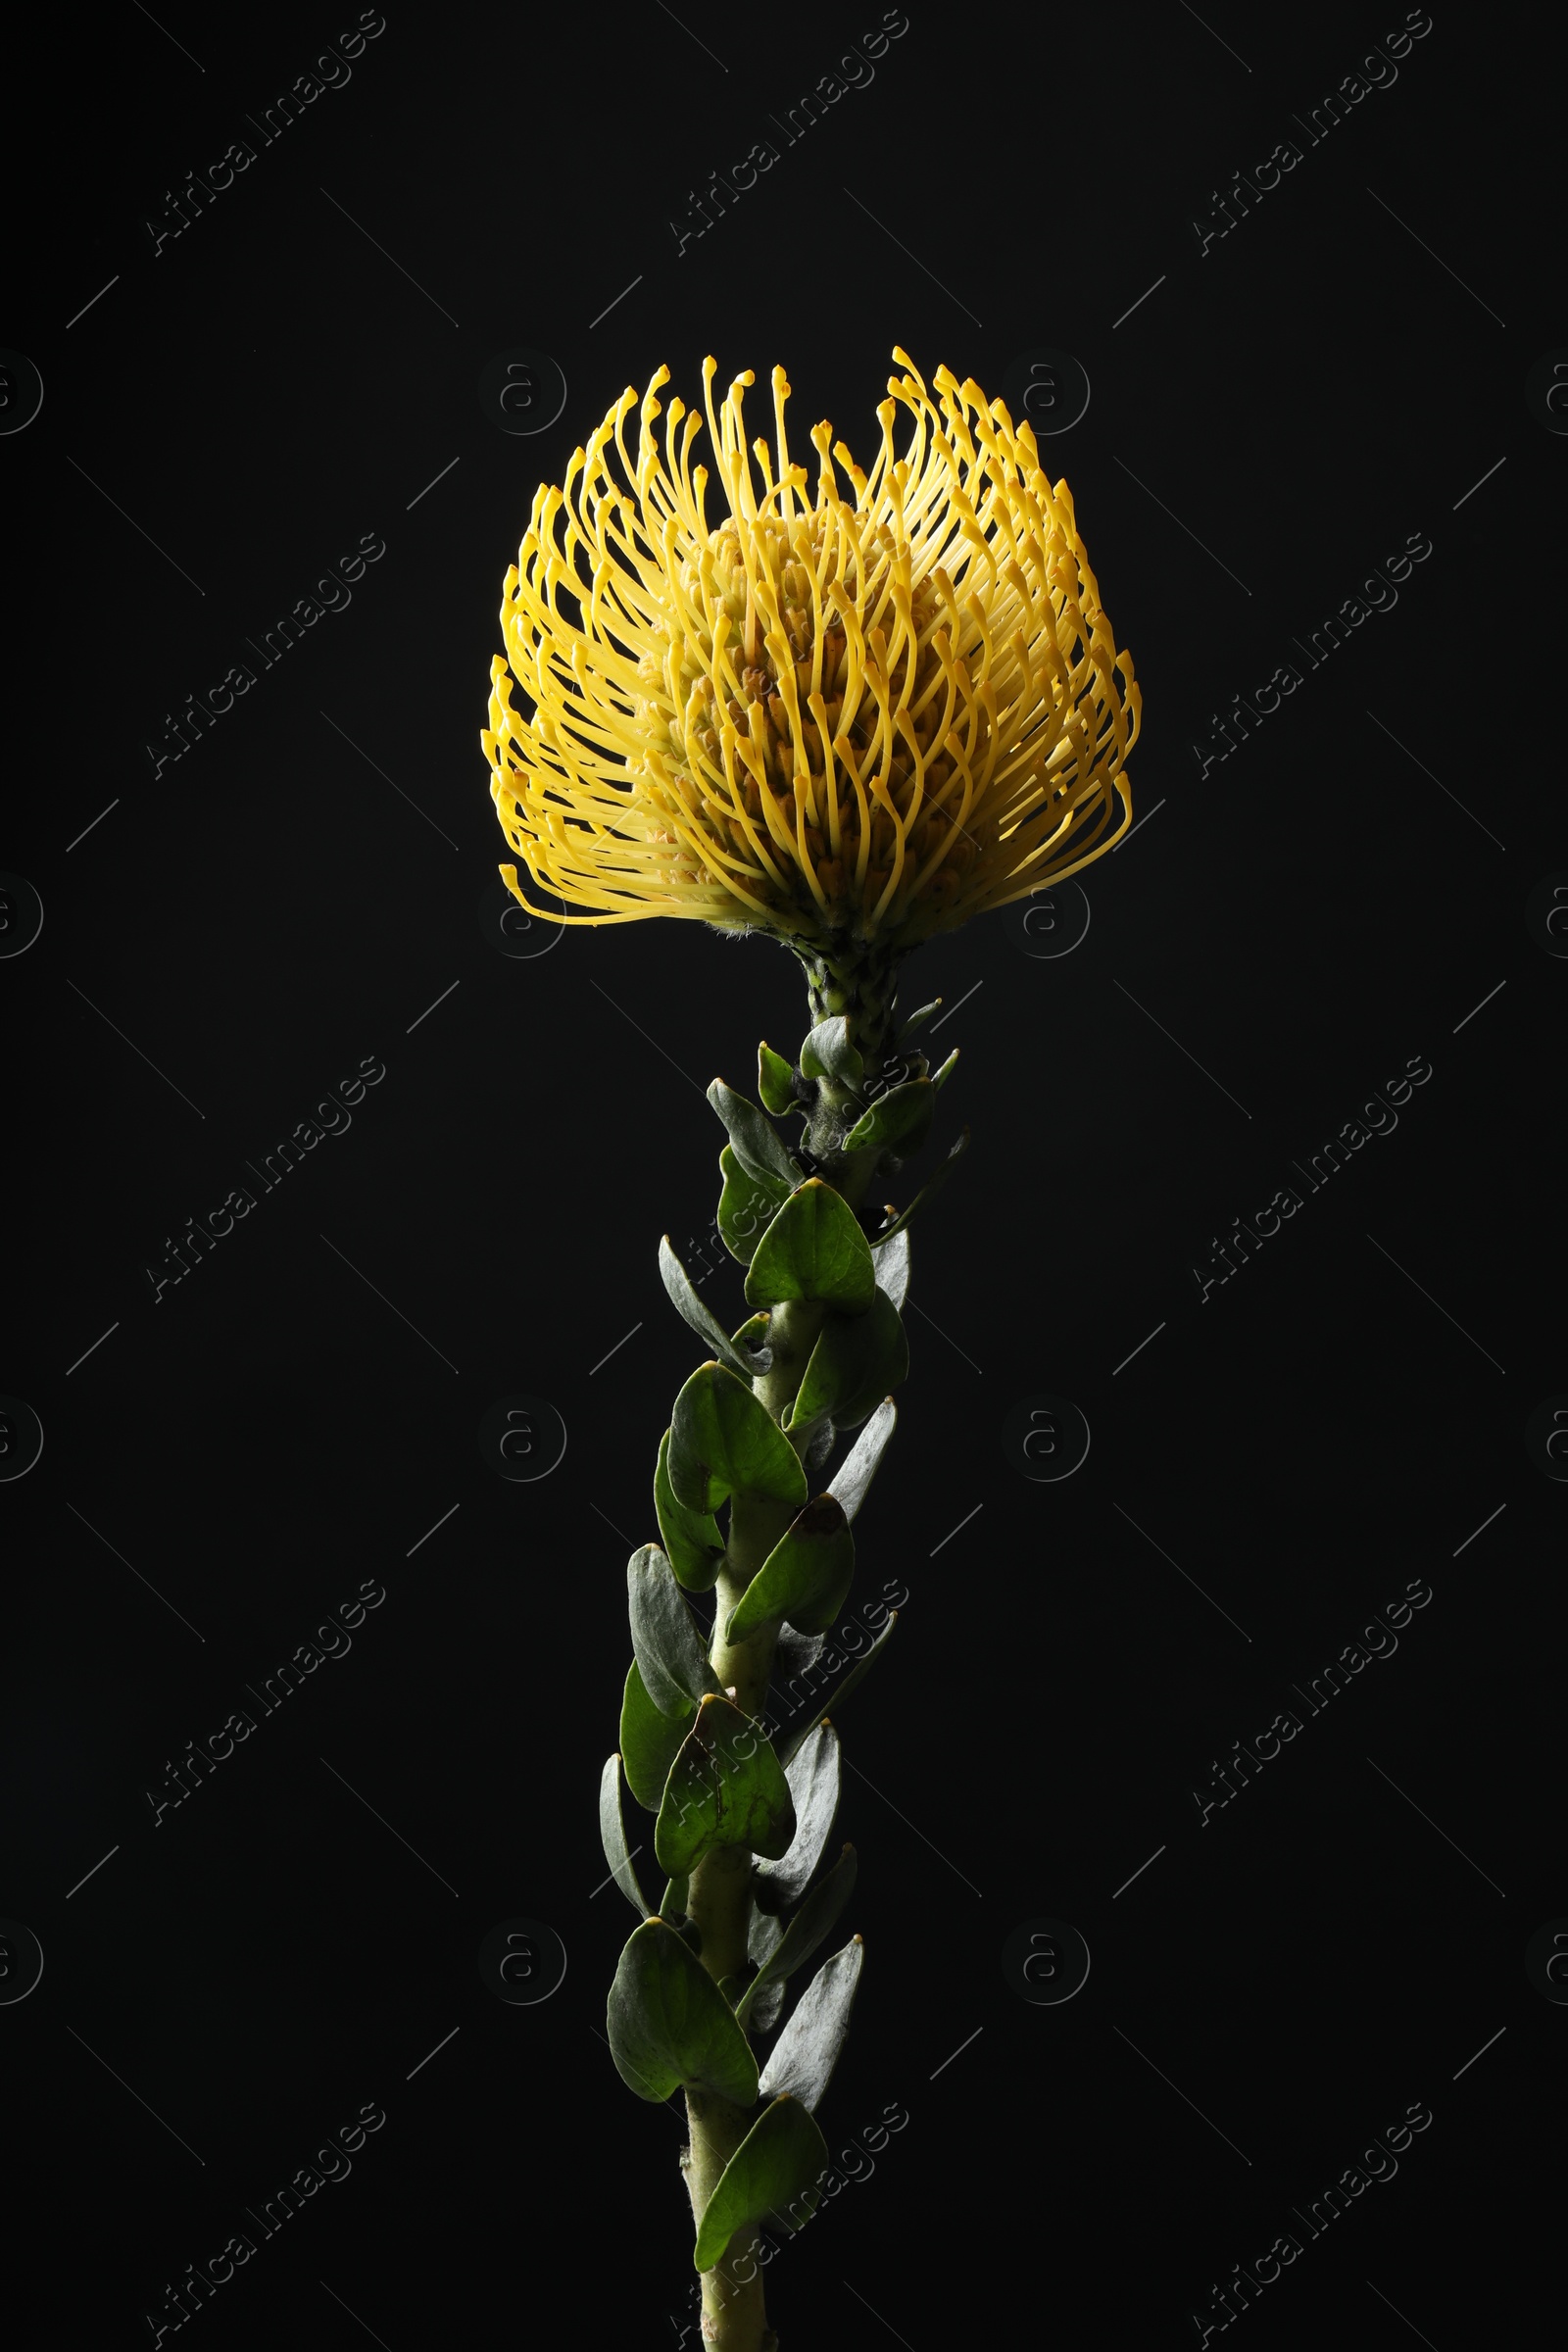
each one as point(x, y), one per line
point(861, 719)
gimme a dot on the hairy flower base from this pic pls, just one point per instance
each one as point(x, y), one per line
point(838, 722)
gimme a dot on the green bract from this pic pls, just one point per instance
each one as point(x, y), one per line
point(756, 1144)
point(775, 1082)
point(807, 2051)
point(724, 1441)
point(726, 1786)
point(828, 1052)
point(746, 1206)
point(691, 1538)
point(805, 1578)
point(852, 1366)
point(612, 1836)
point(669, 2026)
point(805, 1931)
point(648, 1742)
point(670, 1657)
point(813, 1248)
point(703, 1321)
point(813, 1776)
point(898, 1121)
point(776, 2166)
point(854, 1475)
point(793, 1741)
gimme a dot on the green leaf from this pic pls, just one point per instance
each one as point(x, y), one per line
point(852, 1366)
point(775, 1083)
point(805, 1931)
point(745, 1207)
point(726, 1786)
point(939, 1078)
point(851, 1480)
point(692, 1539)
point(778, 2164)
point(612, 1836)
point(752, 1336)
point(918, 1019)
point(650, 1742)
point(724, 1441)
point(813, 1248)
point(892, 1263)
point(703, 1321)
point(757, 1144)
point(898, 1121)
point(673, 1901)
point(669, 2024)
point(807, 2051)
point(814, 1774)
point(671, 1656)
point(828, 1053)
point(793, 1741)
point(928, 1191)
point(805, 1578)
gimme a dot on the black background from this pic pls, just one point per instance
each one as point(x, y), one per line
point(1338, 897)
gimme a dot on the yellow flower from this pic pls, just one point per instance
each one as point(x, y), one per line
point(866, 718)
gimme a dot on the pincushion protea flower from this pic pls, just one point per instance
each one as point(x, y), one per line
point(851, 724)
